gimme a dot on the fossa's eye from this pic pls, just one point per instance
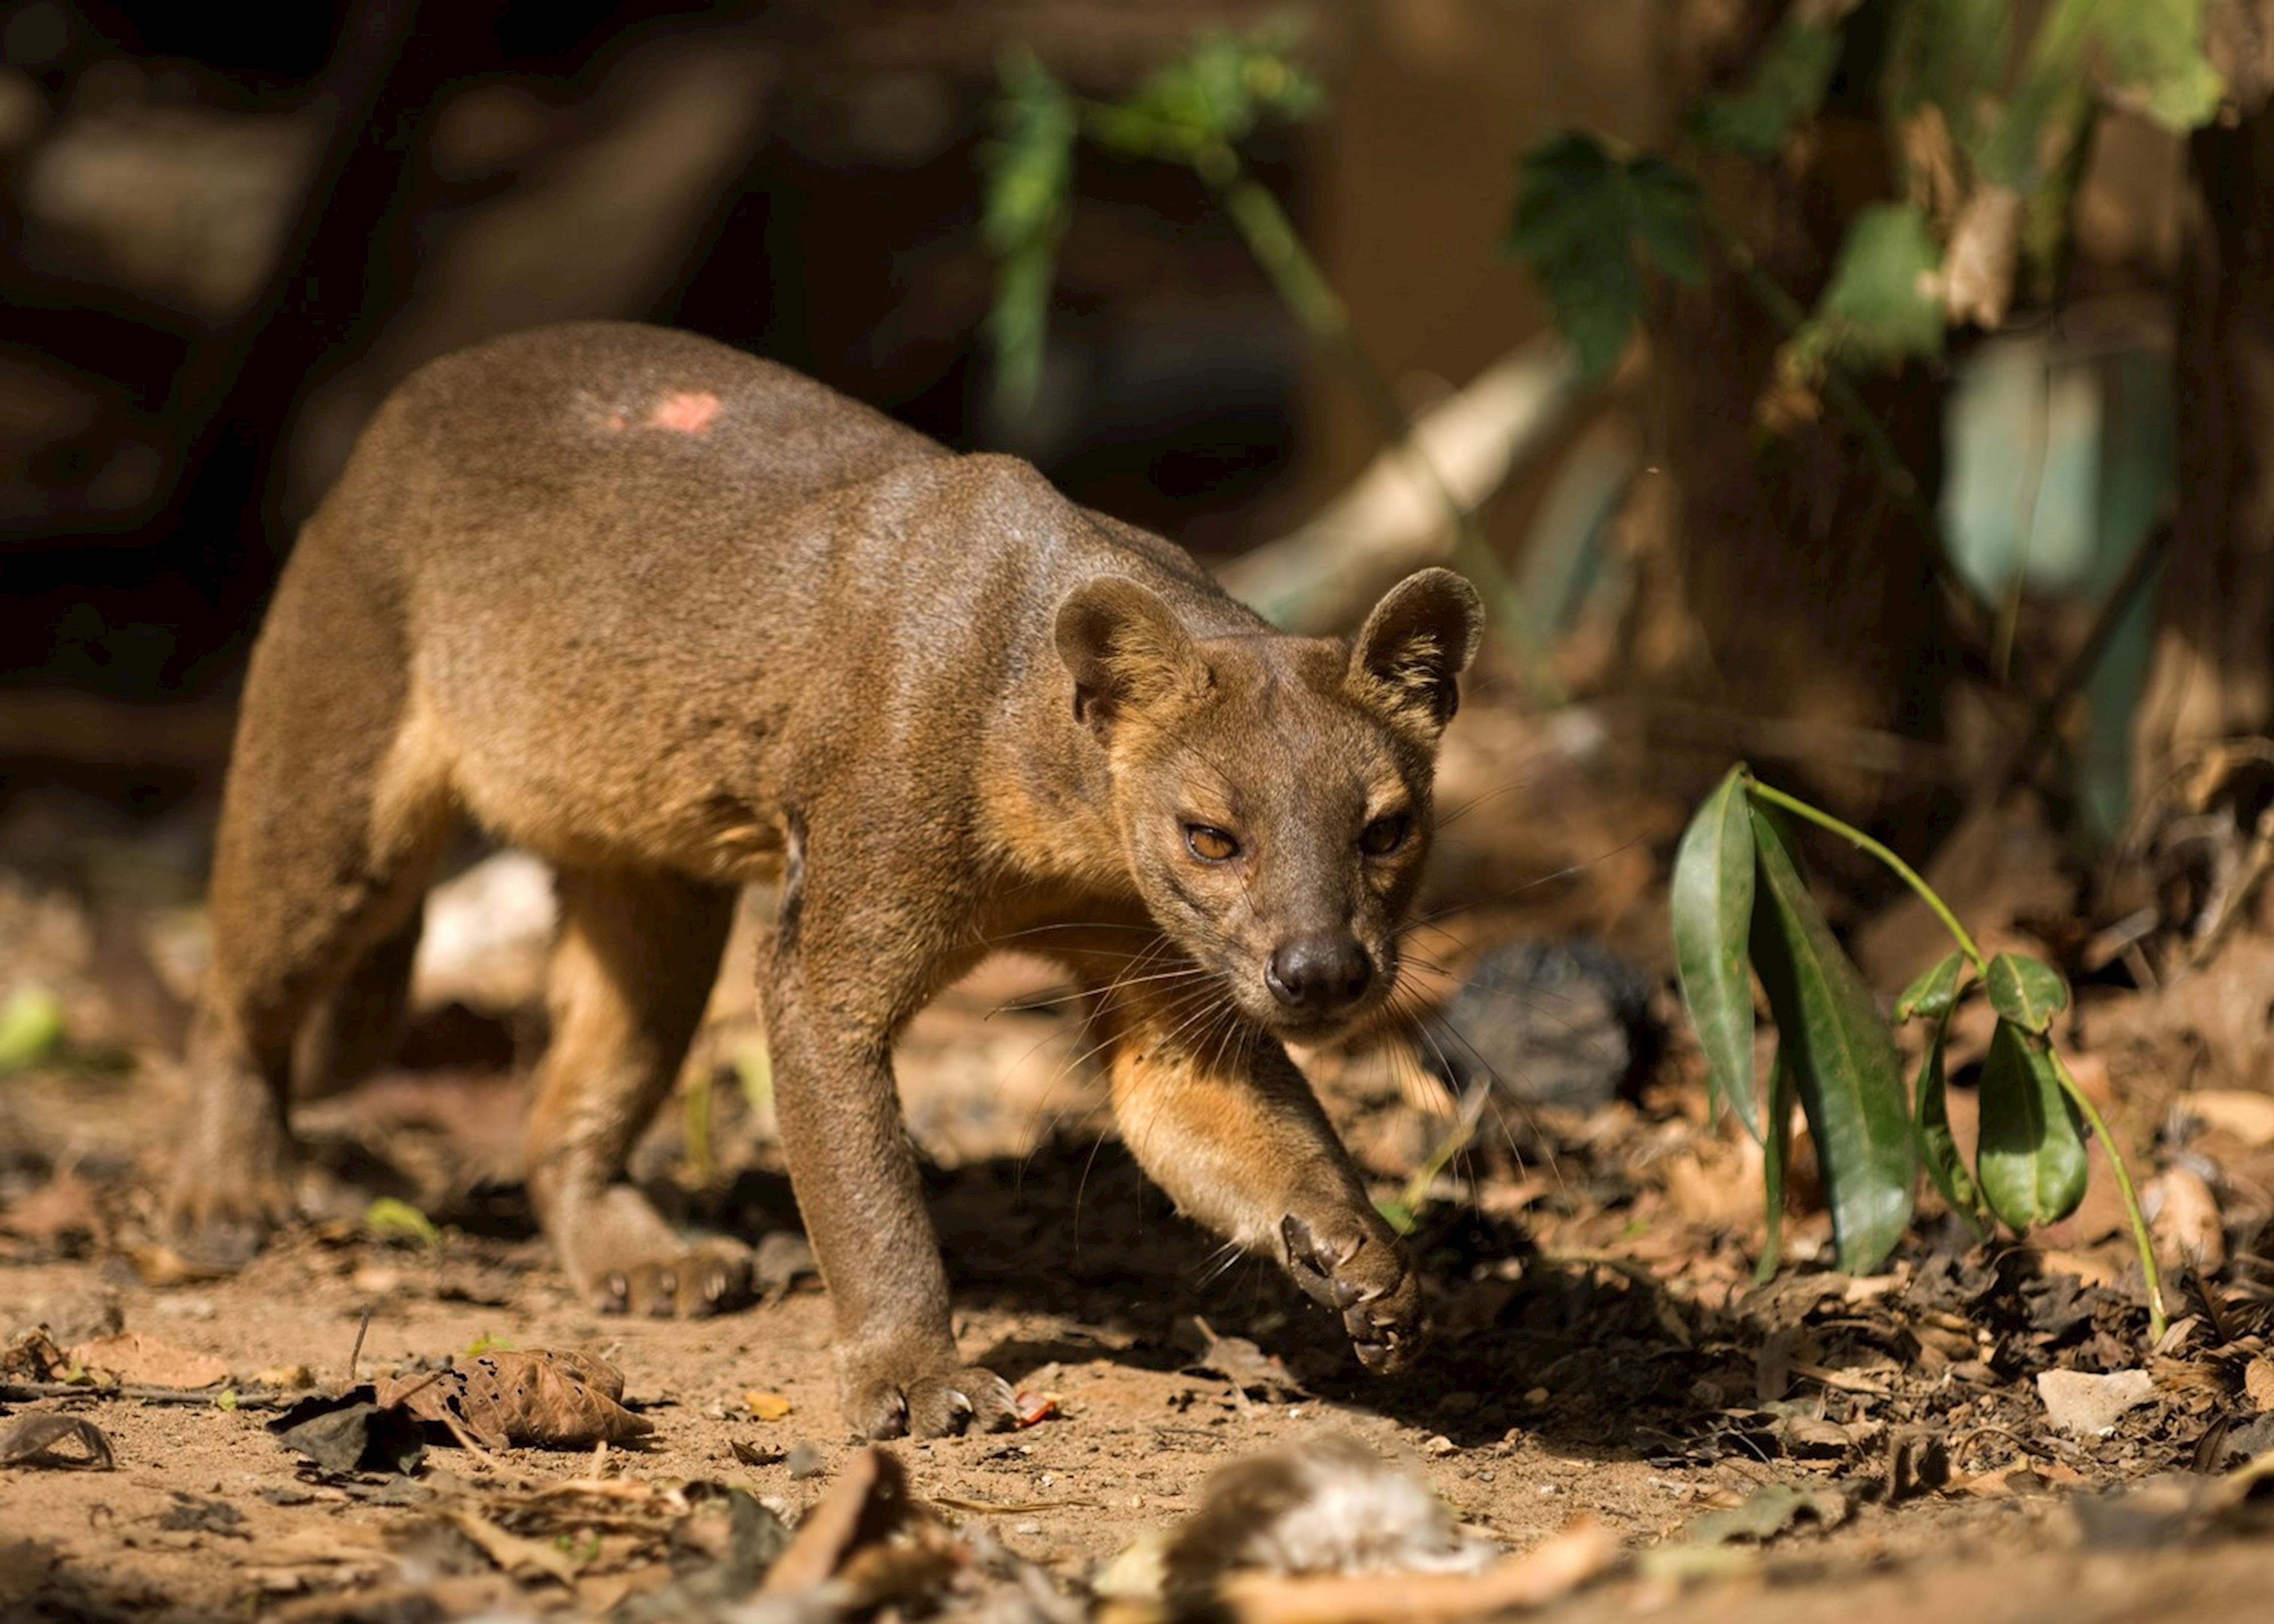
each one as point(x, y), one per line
point(1210, 844)
point(1385, 835)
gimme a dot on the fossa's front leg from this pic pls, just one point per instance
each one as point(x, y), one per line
point(1222, 1119)
point(831, 1011)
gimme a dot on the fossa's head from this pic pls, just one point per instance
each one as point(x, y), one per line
point(1273, 793)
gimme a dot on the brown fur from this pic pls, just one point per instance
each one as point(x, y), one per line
point(678, 620)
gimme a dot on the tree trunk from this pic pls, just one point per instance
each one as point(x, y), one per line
point(1778, 575)
point(2213, 671)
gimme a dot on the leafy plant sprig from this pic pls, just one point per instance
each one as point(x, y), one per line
point(1194, 112)
point(1741, 910)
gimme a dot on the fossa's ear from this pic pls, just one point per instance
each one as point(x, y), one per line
point(1127, 653)
point(1406, 659)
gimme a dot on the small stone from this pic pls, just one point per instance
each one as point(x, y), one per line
point(2076, 1402)
point(1440, 1446)
point(804, 1460)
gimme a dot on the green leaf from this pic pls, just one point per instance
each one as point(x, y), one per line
point(1220, 90)
point(1935, 994)
point(389, 1218)
point(1666, 212)
point(1581, 216)
point(31, 1026)
point(1713, 909)
point(1952, 53)
point(1787, 84)
point(2031, 1156)
point(1843, 1058)
point(1880, 308)
point(1847, 1075)
point(1029, 170)
point(2151, 52)
point(1937, 1147)
point(2025, 990)
point(1776, 1155)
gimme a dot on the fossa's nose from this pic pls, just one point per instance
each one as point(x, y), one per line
point(1318, 975)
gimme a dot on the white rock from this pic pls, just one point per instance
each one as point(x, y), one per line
point(2077, 1403)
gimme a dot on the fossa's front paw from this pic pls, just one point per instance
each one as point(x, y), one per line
point(220, 1219)
point(882, 1402)
point(625, 1260)
point(231, 1190)
point(1361, 1274)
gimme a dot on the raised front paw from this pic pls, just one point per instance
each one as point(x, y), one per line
point(1361, 1273)
point(884, 1397)
point(625, 1260)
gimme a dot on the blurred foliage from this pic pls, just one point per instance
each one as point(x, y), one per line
point(1583, 217)
point(1030, 187)
point(1987, 123)
point(31, 1027)
point(1193, 112)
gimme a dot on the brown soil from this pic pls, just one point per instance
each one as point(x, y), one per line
point(1602, 1351)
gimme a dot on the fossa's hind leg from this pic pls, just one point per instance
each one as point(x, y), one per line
point(335, 814)
point(359, 1028)
point(632, 972)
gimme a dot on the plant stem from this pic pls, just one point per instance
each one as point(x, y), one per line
point(1902, 870)
point(1469, 1114)
point(2140, 1240)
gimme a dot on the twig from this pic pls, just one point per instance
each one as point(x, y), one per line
point(2139, 570)
point(24, 1392)
point(355, 1353)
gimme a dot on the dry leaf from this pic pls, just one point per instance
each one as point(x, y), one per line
point(2258, 1382)
point(767, 1406)
point(162, 1266)
point(869, 1500)
point(31, 1441)
point(2244, 1113)
point(33, 1356)
point(2184, 1216)
point(1978, 269)
point(136, 1360)
point(509, 1550)
point(533, 1396)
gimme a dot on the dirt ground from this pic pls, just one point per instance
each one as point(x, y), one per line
point(1882, 1444)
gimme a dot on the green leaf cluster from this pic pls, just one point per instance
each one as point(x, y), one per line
point(1193, 110)
point(1787, 86)
point(1742, 911)
point(1881, 307)
point(1029, 166)
point(1217, 93)
point(1982, 103)
point(1585, 221)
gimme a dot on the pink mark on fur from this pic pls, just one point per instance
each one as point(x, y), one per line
point(615, 422)
point(686, 411)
